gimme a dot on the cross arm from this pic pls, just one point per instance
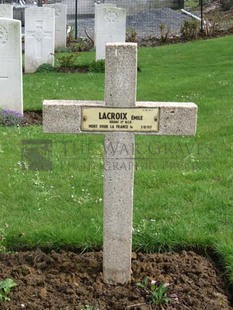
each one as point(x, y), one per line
point(175, 118)
point(65, 116)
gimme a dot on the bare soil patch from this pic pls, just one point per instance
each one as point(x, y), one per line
point(68, 280)
point(32, 118)
point(75, 69)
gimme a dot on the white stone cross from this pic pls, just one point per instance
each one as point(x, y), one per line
point(120, 117)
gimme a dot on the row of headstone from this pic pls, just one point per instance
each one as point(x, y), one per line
point(41, 39)
point(45, 30)
point(110, 26)
point(6, 11)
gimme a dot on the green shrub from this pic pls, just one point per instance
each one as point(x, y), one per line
point(164, 32)
point(97, 66)
point(78, 44)
point(81, 45)
point(67, 61)
point(190, 29)
point(45, 68)
point(226, 4)
point(131, 35)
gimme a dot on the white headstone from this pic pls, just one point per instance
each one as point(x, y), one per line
point(110, 26)
point(39, 37)
point(60, 23)
point(6, 10)
point(119, 117)
point(11, 93)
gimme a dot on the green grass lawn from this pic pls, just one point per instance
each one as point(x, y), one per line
point(183, 185)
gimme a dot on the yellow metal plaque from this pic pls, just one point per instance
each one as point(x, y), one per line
point(120, 119)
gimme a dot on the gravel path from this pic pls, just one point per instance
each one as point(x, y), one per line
point(149, 22)
point(146, 23)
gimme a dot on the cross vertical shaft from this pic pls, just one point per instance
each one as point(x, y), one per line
point(120, 91)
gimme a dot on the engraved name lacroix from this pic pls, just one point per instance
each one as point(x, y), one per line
point(110, 115)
